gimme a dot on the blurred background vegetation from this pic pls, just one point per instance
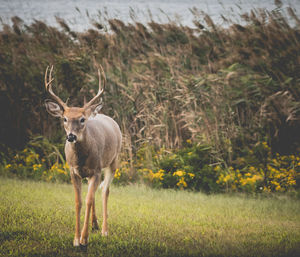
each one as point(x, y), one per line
point(207, 108)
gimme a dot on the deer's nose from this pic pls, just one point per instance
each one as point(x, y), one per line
point(71, 137)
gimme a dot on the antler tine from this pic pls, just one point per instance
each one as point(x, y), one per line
point(100, 90)
point(104, 77)
point(48, 86)
point(50, 77)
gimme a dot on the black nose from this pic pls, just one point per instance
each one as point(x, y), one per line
point(71, 137)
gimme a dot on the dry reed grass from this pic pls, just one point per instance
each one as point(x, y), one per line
point(167, 83)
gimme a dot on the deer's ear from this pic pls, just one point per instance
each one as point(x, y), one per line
point(54, 109)
point(94, 109)
point(97, 108)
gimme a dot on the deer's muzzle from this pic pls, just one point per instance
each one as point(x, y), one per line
point(71, 137)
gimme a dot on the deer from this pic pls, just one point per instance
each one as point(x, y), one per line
point(93, 145)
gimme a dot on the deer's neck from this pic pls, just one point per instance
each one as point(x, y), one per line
point(78, 152)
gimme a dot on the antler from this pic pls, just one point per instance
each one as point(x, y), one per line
point(100, 90)
point(48, 86)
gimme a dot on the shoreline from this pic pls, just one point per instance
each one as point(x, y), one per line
point(79, 16)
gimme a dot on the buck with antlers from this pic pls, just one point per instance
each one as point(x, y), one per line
point(93, 143)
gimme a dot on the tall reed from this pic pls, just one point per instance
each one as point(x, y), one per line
point(167, 83)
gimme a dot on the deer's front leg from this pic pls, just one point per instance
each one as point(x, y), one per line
point(94, 182)
point(76, 181)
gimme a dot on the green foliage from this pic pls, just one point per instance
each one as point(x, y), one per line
point(189, 167)
point(193, 167)
point(258, 171)
point(39, 160)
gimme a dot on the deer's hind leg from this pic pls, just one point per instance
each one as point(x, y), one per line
point(95, 225)
point(108, 178)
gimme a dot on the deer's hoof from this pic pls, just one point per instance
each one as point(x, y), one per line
point(83, 248)
point(76, 242)
point(95, 226)
point(104, 233)
point(84, 241)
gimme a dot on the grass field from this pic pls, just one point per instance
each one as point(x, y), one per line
point(37, 219)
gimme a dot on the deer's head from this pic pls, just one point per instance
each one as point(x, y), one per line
point(74, 118)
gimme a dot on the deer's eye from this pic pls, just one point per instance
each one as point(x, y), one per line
point(65, 120)
point(82, 120)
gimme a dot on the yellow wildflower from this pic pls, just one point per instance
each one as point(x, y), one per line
point(251, 169)
point(66, 166)
point(8, 166)
point(292, 182)
point(275, 183)
point(182, 183)
point(179, 173)
point(159, 175)
point(217, 168)
point(59, 170)
point(191, 175)
point(117, 174)
point(227, 177)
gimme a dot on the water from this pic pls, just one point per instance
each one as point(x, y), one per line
point(79, 13)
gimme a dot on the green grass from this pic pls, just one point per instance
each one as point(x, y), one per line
point(37, 219)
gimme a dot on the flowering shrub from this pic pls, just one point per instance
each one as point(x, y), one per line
point(259, 171)
point(57, 172)
point(28, 164)
point(123, 174)
point(187, 168)
point(193, 167)
point(40, 160)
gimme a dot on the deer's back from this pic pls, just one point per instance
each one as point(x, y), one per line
point(106, 135)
